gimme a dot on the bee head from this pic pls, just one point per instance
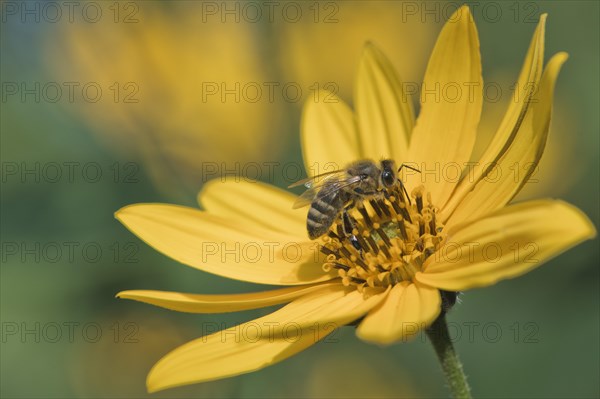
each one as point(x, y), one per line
point(388, 173)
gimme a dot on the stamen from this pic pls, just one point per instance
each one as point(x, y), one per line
point(331, 234)
point(404, 212)
point(432, 227)
point(382, 234)
point(361, 240)
point(360, 263)
point(395, 205)
point(384, 208)
point(365, 215)
point(385, 250)
point(345, 252)
point(340, 266)
point(340, 230)
point(327, 251)
point(402, 274)
point(384, 245)
point(427, 220)
point(402, 228)
point(375, 207)
point(372, 243)
point(357, 280)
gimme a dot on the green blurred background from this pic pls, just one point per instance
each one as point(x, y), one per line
point(139, 126)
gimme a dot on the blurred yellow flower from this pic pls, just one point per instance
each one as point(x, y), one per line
point(388, 380)
point(457, 235)
point(180, 82)
point(120, 356)
point(172, 90)
point(311, 52)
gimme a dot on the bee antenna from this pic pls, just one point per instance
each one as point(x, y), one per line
point(408, 167)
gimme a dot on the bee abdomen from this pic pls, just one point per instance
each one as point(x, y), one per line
point(324, 206)
point(322, 214)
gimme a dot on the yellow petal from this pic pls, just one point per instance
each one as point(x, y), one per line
point(224, 247)
point(528, 82)
point(408, 309)
point(254, 203)
point(451, 101)
point(261, 342)
point(506, 244)
point(234, 351)
point(196, 303)
point(525, 151)
point(384, 112)
point(333, 304)
point(329, 138)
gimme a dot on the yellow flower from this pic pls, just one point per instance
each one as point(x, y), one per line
point(164, 79)
point(175, 96)
point(306, 58)
point(454, 236)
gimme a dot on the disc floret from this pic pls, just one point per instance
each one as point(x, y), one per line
point(392, 236)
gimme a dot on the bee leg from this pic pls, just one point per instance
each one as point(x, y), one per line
point(405, 193)
point(355, 243)
point(348, 227)
point(402, 185)
point(347, 223)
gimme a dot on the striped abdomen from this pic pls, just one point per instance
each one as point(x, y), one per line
point(323, 211)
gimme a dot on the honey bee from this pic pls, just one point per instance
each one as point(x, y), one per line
point(336, 192)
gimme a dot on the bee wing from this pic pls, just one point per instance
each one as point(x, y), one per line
point(310, 181)
point(317, 188)
point(305, 198)
point(313, 185)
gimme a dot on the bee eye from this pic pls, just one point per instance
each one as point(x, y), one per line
point(388, 178)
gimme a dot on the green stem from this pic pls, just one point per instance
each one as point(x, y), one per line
point(440, 338)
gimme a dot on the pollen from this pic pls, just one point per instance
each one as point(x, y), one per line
point(390, 240)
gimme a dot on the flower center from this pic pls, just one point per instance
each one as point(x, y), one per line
point(390, 239)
